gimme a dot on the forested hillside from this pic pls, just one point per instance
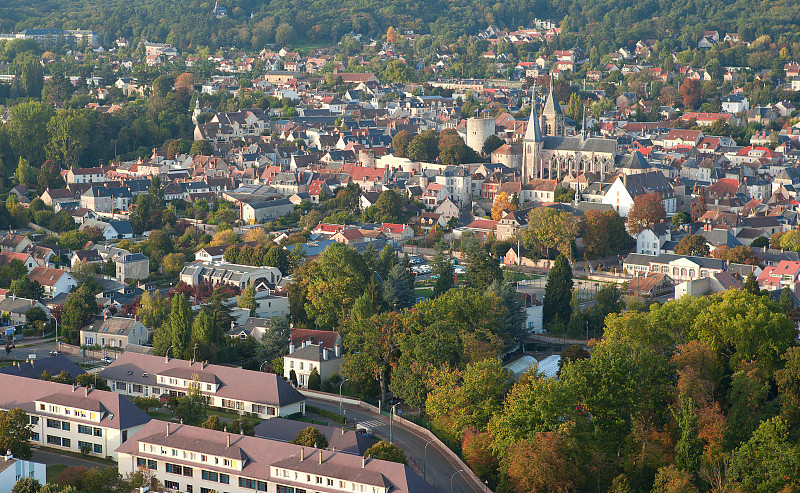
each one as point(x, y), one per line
point(252, 23)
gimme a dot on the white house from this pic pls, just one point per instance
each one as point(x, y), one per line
point(54, 281)
point(626, 188)
point(650, 240)
point(115, 332)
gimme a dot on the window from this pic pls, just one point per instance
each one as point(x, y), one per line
point(210, 476)
point(187, 471)
point(54, 423)
point(173, 469)
point(98, 449)
point(172, 485)
point(65, 425)
point(285, 489)
point(140, 462)
point(121, 386)
point(136, 388)
point(34, 420)
point(85, 430)
point(87, 445)
point(35, 436)
point(53, 440)
point(151, 464)
point(98, 432)
point(66, 442)
point(224, 479)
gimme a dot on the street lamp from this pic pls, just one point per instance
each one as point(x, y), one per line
point(391, 423)
point(453, 477)
point(262, 365)
point(340, 394)
point(425, 457)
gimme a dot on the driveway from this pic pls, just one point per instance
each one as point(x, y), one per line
point(53, 459)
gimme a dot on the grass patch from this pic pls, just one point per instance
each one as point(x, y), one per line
point(54, 471)
point(161, 415)
point(325, 413)
point(423, 292)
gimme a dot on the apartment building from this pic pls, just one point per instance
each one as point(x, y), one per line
point(190, 459)
point(70, 418)
point(264, 395)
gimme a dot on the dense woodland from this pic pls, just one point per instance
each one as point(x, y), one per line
point(189, 23)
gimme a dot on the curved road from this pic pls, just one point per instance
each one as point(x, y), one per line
point(439, 468)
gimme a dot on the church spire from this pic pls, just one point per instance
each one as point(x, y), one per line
point(533, 133)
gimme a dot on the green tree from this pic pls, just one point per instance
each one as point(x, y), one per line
point(769, 461)
point(314, 380)
point(371, 344)
point(213, 423)
point(153, 309)
point(201, 148)
point(15, 431)
point(285, 34)
point(443, 268)
point(692, 245)
point(460, 399)
point(180, 324)
point(247, 299)
point(548, 229)
point(482, 268)
point(275, 340)
point(751, 284)
point(27, 126)
point(25, 173)
point(49, 176)
point(193, 407)
point(386, 451)
point(32, 78)
point(400, 143)
point(26, 485)
point(424, 147)
point(332, 283)
point(311, 437)
point(680, 218)
point(575, 108)
point(491, 144)
point(558, 292)
point(80, 305)
point(398, 289)
point(688, 449)
point(69, 135)
point(202, 330)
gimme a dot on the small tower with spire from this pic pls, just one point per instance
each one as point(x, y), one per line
point(196, 111)
point(532, 145)
point(552, 117)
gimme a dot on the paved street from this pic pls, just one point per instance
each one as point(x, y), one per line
point(439, 467)
point(51, 459)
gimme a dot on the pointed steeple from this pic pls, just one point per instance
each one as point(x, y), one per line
point(533, 133)
point(551, 106)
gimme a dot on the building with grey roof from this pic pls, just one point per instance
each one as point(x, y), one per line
point(116, 332)
point(339, 439)
point(69, 418)
point(188, 458)
point(234, 274)
point(265, 395)
point(34, 368)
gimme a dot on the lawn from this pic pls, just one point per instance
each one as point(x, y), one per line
point(54, 471)
point(419, 292)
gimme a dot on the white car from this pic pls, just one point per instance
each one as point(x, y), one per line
point(459, 270)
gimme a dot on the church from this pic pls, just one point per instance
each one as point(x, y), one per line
point(547, 153)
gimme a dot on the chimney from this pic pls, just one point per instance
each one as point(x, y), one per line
point(291, 347)
point(302, 454)
point(319, 451)
point(167, 428)
point(229, 442)
point(87, 391)
point(363, 462)
point(8, 455)
point(74, 387)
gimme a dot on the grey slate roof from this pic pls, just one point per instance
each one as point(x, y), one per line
point(591, 144)
point(53, 364)
point(286, 430)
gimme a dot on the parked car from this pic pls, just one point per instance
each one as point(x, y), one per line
point(55, 352)
point(107, 360)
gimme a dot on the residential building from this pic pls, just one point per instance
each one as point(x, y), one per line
point(626, 188)
point(15, 243)
point(33, 368)
point(223, 272)
point(285, 430)
point(261, 211)
point(678, 267)
point(12, 470)
point(132, 266)
point(17, 309)
point(116, 332)
point(187, 458)
point(652, 239)
point(310, 357)
point(54, 281)
point(97, 199)
point(70, 418)
point(265, 395)
point(510, 224)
